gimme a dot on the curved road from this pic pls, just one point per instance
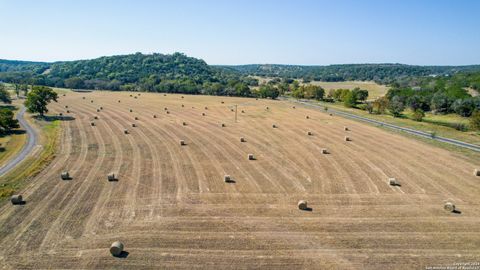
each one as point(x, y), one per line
point(27, 149)
point(415, 132)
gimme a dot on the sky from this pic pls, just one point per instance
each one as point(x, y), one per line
point(231, 32)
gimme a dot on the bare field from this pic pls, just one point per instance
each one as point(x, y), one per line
point(375, 90)
point(172, 209)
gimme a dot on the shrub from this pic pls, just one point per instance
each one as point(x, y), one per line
point(418, 115)
point(475, 120)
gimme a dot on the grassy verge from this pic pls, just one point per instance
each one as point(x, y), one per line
point(442, 125)
point(33, 165)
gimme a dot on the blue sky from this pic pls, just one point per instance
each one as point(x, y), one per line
point(305, 32)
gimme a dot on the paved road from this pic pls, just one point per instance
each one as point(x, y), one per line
point(415, 132)
point(27, 149)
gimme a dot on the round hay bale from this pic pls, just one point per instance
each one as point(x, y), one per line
point(251, 157)
point(183, 105)
point(136, 118)
point(274, 126)
point(64, 94)
point(60, 114)
point(302, 205)
point(92, 124)
point(98, 110)
point(16, 199)
point(331, 114)
point(134, 125)
point(131, 110)
point(450, 207)
point(293, 107)
point(232, 110)
point(392, 181)
point(182, 96)
point(83, 97)
point(125, 131)
point(184, 123)
point(243, 111)
point(476, 172)
point(347, 139)
point(95, 117)
point(222, 102)
point(267, 108)
point(119, 101)
point(203, 114)
point(65, 175)
point(139, 94)
point(111, 177)
point(91, 101)
point(131, 95)
point(68, 111)
point(182, 142)
point(242, 139)
point(116, 248)
point(307, 117)
point(227, 178)
point(223, 125)
point(164, 95)
point(101, 108)
point(135, 97)
point(167, 112)
point(165, 108)
point(154, 116)
point(324, 151)
point(345, 128)
point(309, 133)
point(206, 108)
point(66, 106)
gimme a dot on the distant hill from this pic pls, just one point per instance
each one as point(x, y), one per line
point(146, 72)
point(382, 73)
point(182, 74)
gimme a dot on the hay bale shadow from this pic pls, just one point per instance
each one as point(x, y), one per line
point(458, 212)
point(308, 209)
point(231, 181)
point(23, 202)
point(123, 255)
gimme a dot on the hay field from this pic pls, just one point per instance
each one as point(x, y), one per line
point(375, 90)
point(172, 209)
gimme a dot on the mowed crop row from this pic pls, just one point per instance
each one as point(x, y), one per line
point(171, 207)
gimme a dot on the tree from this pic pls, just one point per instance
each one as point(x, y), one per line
point(396, 106)
point(380, 105)
point(4, 95)
point(475, 120)
point(24, 88)
point(440, 103)
point(7, 122)
point(360, 94)
point(369, 107)
point(464, 107)
point(17, 89)
point(268, 91)
point(418, 115)
point(350, 99)
point(416, 102)
point(38, 99)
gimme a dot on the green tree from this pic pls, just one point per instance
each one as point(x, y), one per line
point(440, 103)
point(38, 99)
point(418, 115)
point(350, 99)
point(380, 105)
point(475, 120)
point(360, 94)
point(7, 122)
point(464, 107)
point(4, 95)
point(396, 106)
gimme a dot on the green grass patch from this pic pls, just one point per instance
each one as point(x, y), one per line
point(29, 168)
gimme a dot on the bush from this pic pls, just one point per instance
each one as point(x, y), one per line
point(418, 115)
point(464, 107)
point(396, 106)
point(475, 120)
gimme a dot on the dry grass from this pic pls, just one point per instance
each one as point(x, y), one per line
point(171, 208)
